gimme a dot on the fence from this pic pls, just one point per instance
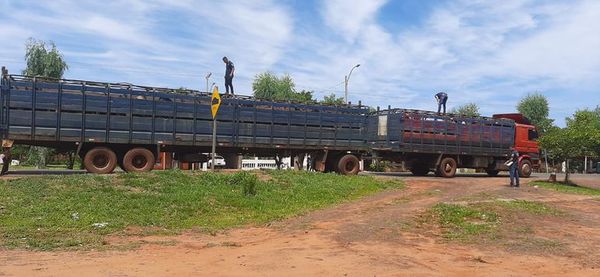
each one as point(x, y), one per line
point(252, 164)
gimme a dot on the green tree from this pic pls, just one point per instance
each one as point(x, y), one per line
point(271, 87)
point(333, 100)
point(580, 138)
point(535, 107)
point(183, 90)
point(43, 60)
point(469, 109)
point(586, 127)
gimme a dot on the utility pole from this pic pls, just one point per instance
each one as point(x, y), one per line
point(346, 80)
point(208, 77)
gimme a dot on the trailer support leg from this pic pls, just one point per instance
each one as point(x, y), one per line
point(79, 145)
point(320, 161)
point(6, 155)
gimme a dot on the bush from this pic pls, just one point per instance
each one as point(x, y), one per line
point(379, 166)
point(246, 180)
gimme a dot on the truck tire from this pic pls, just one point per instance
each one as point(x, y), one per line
point(348, 165)
point(492, 172)
point(447, 167)
point(138, 160)
point(100, 160)
point(525, 169)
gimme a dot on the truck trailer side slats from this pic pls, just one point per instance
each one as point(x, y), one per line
point(53, 113)
point(129, 114)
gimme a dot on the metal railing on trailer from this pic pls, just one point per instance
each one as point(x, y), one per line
point(420, 131)
point(70, 113)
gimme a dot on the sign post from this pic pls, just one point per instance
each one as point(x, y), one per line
point(214, 106)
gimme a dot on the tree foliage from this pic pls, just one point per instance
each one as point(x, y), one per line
point(580, 138)
point(333, 100)
point(272, 87)
point(183, 90)
point(469, 109)
point(585, 125)
point(43, 59)
point(535, 107)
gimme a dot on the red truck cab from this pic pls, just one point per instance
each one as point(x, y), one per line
point(525, 143)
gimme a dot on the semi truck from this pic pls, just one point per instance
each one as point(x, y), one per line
point(120, 124)
point(442, 143)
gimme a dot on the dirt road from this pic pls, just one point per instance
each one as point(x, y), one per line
point(375, 236)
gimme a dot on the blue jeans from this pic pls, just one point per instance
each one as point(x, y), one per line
point(514, 174)
point(229, 84)
point(442, 103)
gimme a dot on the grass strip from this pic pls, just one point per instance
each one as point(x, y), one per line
point(573, 189)
point(483, 220)
point(80, 210)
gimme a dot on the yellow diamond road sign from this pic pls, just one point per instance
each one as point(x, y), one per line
point(215, 102)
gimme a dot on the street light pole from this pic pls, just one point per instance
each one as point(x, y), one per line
point(346, 80)
point(207, 77)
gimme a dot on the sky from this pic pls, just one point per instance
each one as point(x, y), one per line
point(492, 53)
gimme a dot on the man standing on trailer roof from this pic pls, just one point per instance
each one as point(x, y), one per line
point(441, 98)
point(229, 71)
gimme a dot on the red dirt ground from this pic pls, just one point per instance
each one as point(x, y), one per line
point(374, 236)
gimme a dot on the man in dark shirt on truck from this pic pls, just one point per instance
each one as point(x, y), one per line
point(441, 98)
point(229, 71)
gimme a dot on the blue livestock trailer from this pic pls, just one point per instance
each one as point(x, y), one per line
point(119, 124)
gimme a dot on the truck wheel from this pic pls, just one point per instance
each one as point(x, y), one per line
point(100, 160)
point(525, 169)
point(447, 167)
point(138, 160)
point(492, 172)
point(348, 165)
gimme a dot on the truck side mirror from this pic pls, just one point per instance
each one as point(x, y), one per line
point(533, 135)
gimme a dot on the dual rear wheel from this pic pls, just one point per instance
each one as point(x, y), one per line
point(103, 160)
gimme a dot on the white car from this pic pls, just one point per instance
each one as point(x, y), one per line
point(218, 160)
point(12, 162)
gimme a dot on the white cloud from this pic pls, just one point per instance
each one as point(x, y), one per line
point(178, 38)
point(350, 17)
point(491, 53)
point(566, 51)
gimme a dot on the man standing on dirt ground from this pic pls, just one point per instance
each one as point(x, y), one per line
point(229, 71)
point(513, 169)
point(441, 98)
